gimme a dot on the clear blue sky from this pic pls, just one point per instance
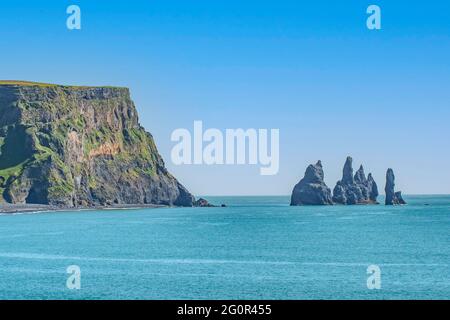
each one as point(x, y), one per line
point(310, 68)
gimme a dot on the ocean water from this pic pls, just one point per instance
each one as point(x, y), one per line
point(256, 248)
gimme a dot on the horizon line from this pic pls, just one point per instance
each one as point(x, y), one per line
point(288, 195)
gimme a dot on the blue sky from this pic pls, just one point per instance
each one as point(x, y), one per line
point(310, 68)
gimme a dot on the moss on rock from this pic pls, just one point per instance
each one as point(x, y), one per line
point(71, 145)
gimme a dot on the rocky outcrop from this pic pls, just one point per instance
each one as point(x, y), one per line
point(355, 189)
point(205, 203)
point(79, 146)
point(202, 203)
point(392, 197)
point(312, 190)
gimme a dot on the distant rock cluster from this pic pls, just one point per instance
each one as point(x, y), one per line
point(355, 189)
point(351, 189)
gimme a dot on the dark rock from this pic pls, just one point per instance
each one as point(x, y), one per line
point(339, 193)
point(398, 196)
point(355, 189)
point(362, 182)
point(347, 172)
point(372, 188)
point(390, 186)
point(203, 203)
point(79, 147)
point(223, 205)
point(360, 176)
point(312, 190)
point(392, 197)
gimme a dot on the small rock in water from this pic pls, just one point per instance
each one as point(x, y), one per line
point(202, 203)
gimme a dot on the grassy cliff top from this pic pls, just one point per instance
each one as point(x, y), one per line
point(40, 84)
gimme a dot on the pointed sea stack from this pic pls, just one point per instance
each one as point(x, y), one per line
point(392, 197)
point(312, 190)
point(373, 189)
point(355, 189)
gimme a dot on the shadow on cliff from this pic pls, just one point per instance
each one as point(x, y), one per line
point(15, 148)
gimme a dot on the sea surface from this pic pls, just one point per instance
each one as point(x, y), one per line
point(255, 248)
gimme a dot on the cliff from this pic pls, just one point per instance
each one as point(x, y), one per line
point(79, 146)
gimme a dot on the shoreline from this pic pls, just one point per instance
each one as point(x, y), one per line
point(37, 208)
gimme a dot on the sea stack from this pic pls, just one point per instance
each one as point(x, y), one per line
point(74, 146)
point(372, 189)
point(392, 197)
point(355, 189)
point(312, 190)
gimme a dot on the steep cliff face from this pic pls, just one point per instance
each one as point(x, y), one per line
point(79, 146)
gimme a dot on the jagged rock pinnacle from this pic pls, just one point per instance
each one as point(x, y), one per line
point(355, 189)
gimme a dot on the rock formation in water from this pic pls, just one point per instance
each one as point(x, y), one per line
point(312, 190)
point(355, 189)
point(372, 189)
point(202, 203)
point(392, 197)
point(79, 146)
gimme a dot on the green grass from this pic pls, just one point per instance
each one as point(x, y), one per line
point(12, 171)
point(25, 83)
point(41, 84)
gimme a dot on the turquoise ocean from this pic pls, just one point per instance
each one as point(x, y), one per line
point(255, 248)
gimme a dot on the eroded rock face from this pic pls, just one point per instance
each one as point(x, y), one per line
point(79, 146)
point(392, 197)
point(355, 189)
point(312, 190)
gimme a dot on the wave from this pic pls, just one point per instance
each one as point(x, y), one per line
point(40, 256)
